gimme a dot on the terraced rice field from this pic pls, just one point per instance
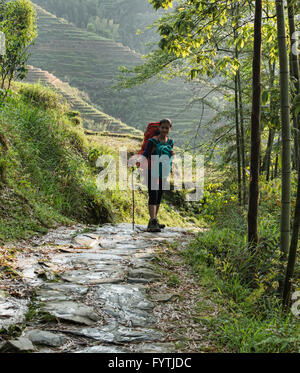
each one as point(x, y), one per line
point(92, 117)
point(90, 63)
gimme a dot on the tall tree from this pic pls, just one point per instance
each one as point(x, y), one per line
point(294, 64)
point(285, 130)
point(293, 248)
point(295, 77)
point(255, 128)
point(240, 98)
point(272, 119)
point(237, 126)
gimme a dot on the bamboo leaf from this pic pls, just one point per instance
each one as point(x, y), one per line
point(265, 97)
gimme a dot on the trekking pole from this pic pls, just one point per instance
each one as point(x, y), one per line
point(132, 199)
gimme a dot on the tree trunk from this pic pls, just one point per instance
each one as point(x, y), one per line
point(286, 131)
point(238, 146)
point(255, 128)
point(293, 249)
point(267, 159)
point(237, 116)
point(3, 150)
point(276, 165)
point(242, 138)
point(294, 64)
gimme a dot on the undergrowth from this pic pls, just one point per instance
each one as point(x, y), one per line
point(247, 283)
point(47, 177)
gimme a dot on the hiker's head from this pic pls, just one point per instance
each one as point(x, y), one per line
point(165, 126)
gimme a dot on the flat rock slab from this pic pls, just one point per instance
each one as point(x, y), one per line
point(104, 273)
point(142, 275)
point(60, 291)
point(128, 246)
point(89, 258)
point(20, 344)
point(71, 311)
point(12, 311)
point(89, 241)
point(101, 349)
point(137, 263)
point(42, 337)
point(127, 303)
point(114, 333)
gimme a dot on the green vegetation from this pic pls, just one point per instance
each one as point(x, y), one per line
point(18, 24)
point(246, 283)
point(48, 170)
point(46, 176)
point(193, 39)
point(246, 264)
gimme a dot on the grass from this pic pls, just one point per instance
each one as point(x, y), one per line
point(246, 288)
point(48, 179)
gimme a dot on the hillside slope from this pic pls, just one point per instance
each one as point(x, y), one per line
point(48, 170)
point(128, 16)
point(90, 63)
point(92, 117)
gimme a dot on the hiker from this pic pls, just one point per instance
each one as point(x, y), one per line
point(159, 145)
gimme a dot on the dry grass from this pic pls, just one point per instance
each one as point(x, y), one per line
point(115, 143)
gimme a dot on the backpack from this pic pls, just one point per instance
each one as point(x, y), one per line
point(151, 131)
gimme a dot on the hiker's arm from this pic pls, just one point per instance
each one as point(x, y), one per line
point(148, 151)
point(172, 152)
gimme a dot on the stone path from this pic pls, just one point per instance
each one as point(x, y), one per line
point(90, 292)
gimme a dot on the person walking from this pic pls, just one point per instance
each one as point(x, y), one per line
point(158, 170)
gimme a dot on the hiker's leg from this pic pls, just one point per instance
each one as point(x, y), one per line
point(152, 211)
point(152, 197)
point(152, 203)
point(159, 195)
point(153, 225)
point(157, 207)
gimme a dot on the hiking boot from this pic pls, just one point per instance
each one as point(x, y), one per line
point(153, 226)
point(161, 226)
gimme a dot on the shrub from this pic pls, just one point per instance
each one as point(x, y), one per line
point(41, 96)
point(225, 249)
point(75, 117)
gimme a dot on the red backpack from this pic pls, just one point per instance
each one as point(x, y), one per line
point(151, 131)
